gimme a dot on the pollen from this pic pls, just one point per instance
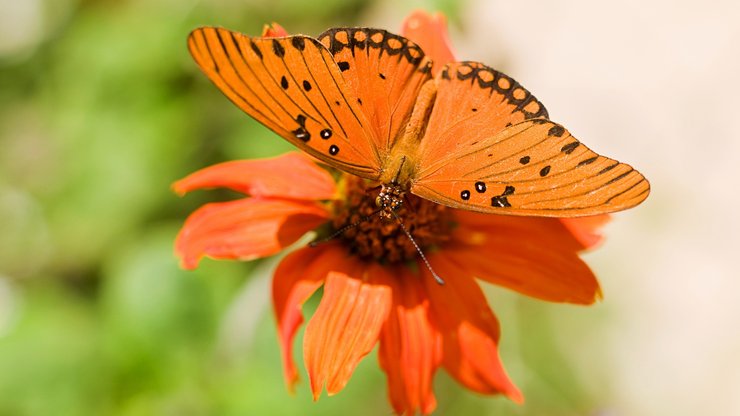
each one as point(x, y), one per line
point(381, 238)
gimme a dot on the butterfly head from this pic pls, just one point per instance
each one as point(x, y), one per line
point(389, 199)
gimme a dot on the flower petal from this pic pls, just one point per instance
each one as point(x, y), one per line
point(291, 175)
point(410, 347)
point(245, 229)
point(586, 229)
point(430, 33)
point(296, 278)
point(534, 256)
point(273, 30)
point(469, 329)
point(345, 327)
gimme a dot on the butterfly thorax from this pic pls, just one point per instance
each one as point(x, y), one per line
point(400, 166)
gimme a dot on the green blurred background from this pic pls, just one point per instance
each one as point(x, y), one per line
point(101, 109)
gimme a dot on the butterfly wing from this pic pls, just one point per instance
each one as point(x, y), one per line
point(293, 86)
point(474, 101)
point(385, 71)
point(532, 168)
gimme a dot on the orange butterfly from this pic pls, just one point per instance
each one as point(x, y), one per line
point(364, 101)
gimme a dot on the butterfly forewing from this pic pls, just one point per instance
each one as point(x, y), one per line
point(293, 86)
point(532, 168)
point(385, 71)
point(474, 101)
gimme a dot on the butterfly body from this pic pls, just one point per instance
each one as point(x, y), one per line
point(365, 101)
point(399, 170)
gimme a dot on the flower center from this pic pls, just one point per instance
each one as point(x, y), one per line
point(380, 237)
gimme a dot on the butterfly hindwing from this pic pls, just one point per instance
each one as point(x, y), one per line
point(385, 71)
point(535, 167)
point(293, 86)
point(474, 100)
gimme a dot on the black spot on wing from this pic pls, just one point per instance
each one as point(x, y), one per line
point(256, 49)
point(556, 131)
point(500, 202)
point(277, 48)
point(298, 43)
point(569, 148)
point(302, 134)
point(588, 161)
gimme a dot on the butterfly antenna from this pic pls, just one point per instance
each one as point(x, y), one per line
point(421, 253)
point(343, 229)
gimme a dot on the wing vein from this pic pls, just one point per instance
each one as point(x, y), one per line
point(625, 191)
point(231, 87)
point(259, 80)
point(326, 64)
point(589, 191)
point(303, 57)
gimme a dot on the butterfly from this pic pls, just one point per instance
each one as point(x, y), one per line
point(365, 101)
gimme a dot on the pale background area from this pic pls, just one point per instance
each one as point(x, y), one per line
point(651, 83)
point(654, 84)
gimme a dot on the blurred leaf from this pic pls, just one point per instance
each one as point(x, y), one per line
point(50, 359)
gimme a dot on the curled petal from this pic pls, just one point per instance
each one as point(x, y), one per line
point(274, 30)
point(586, 229)
point(297, 277)
point(534, 256)
point(469, 329)
point(430, 33)
point(245, 229)
point(291, 175)
point(345, 327)
point(410, 347)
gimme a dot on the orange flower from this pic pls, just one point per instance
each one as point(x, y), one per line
point(376, 287)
